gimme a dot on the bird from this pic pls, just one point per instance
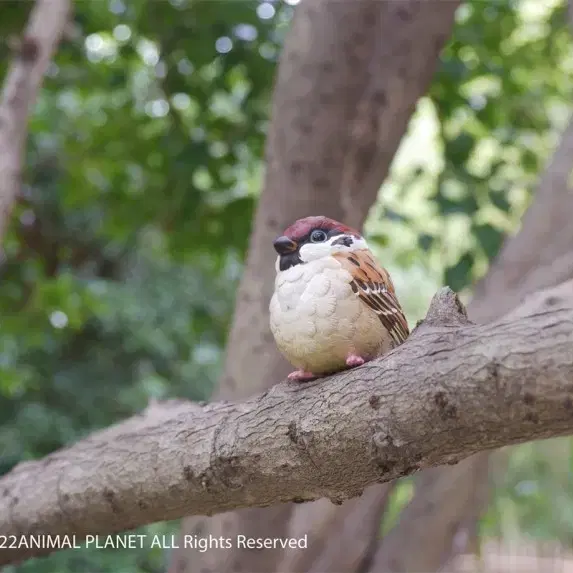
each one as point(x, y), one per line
point(334, 307)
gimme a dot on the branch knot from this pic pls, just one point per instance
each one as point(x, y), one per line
point(446, 309)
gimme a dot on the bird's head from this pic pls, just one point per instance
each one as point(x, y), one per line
point(313, 238)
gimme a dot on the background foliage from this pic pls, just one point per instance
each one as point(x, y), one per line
point(144, 165)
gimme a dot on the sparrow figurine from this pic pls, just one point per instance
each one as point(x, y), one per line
point(334, 307)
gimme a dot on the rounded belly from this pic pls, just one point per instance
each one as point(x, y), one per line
point(318, 333)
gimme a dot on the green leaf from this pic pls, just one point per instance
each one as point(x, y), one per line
point(425, 241)
point(489, 238)
point(499, 199)
point(458, 149)
point(393, 215)
point(458, 276)
point(447, 206)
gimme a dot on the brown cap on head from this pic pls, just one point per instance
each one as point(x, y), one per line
point(302, 227)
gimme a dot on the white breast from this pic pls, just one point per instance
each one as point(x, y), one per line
point(317, 320)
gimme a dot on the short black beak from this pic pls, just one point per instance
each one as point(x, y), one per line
point(283, 245)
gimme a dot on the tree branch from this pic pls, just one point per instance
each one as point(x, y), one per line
point(453, 389)
point(33, 52)
point(537, 257)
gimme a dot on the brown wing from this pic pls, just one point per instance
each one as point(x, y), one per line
point(373, 285)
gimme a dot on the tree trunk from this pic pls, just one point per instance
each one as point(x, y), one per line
point(32, 55)
point(348, 81)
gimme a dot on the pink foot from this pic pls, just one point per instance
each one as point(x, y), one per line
point(302, 376)
point(354, 360)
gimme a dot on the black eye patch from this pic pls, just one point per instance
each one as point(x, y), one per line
point(292, 259)
point(345, 241)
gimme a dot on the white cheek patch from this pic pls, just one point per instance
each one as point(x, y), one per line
point(314, 251)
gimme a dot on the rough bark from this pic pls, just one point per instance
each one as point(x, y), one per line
point(348, 81)
point(32, 55)
point(453, 389)
point(537, 257)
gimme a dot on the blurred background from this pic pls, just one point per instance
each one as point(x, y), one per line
point(143, 169)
